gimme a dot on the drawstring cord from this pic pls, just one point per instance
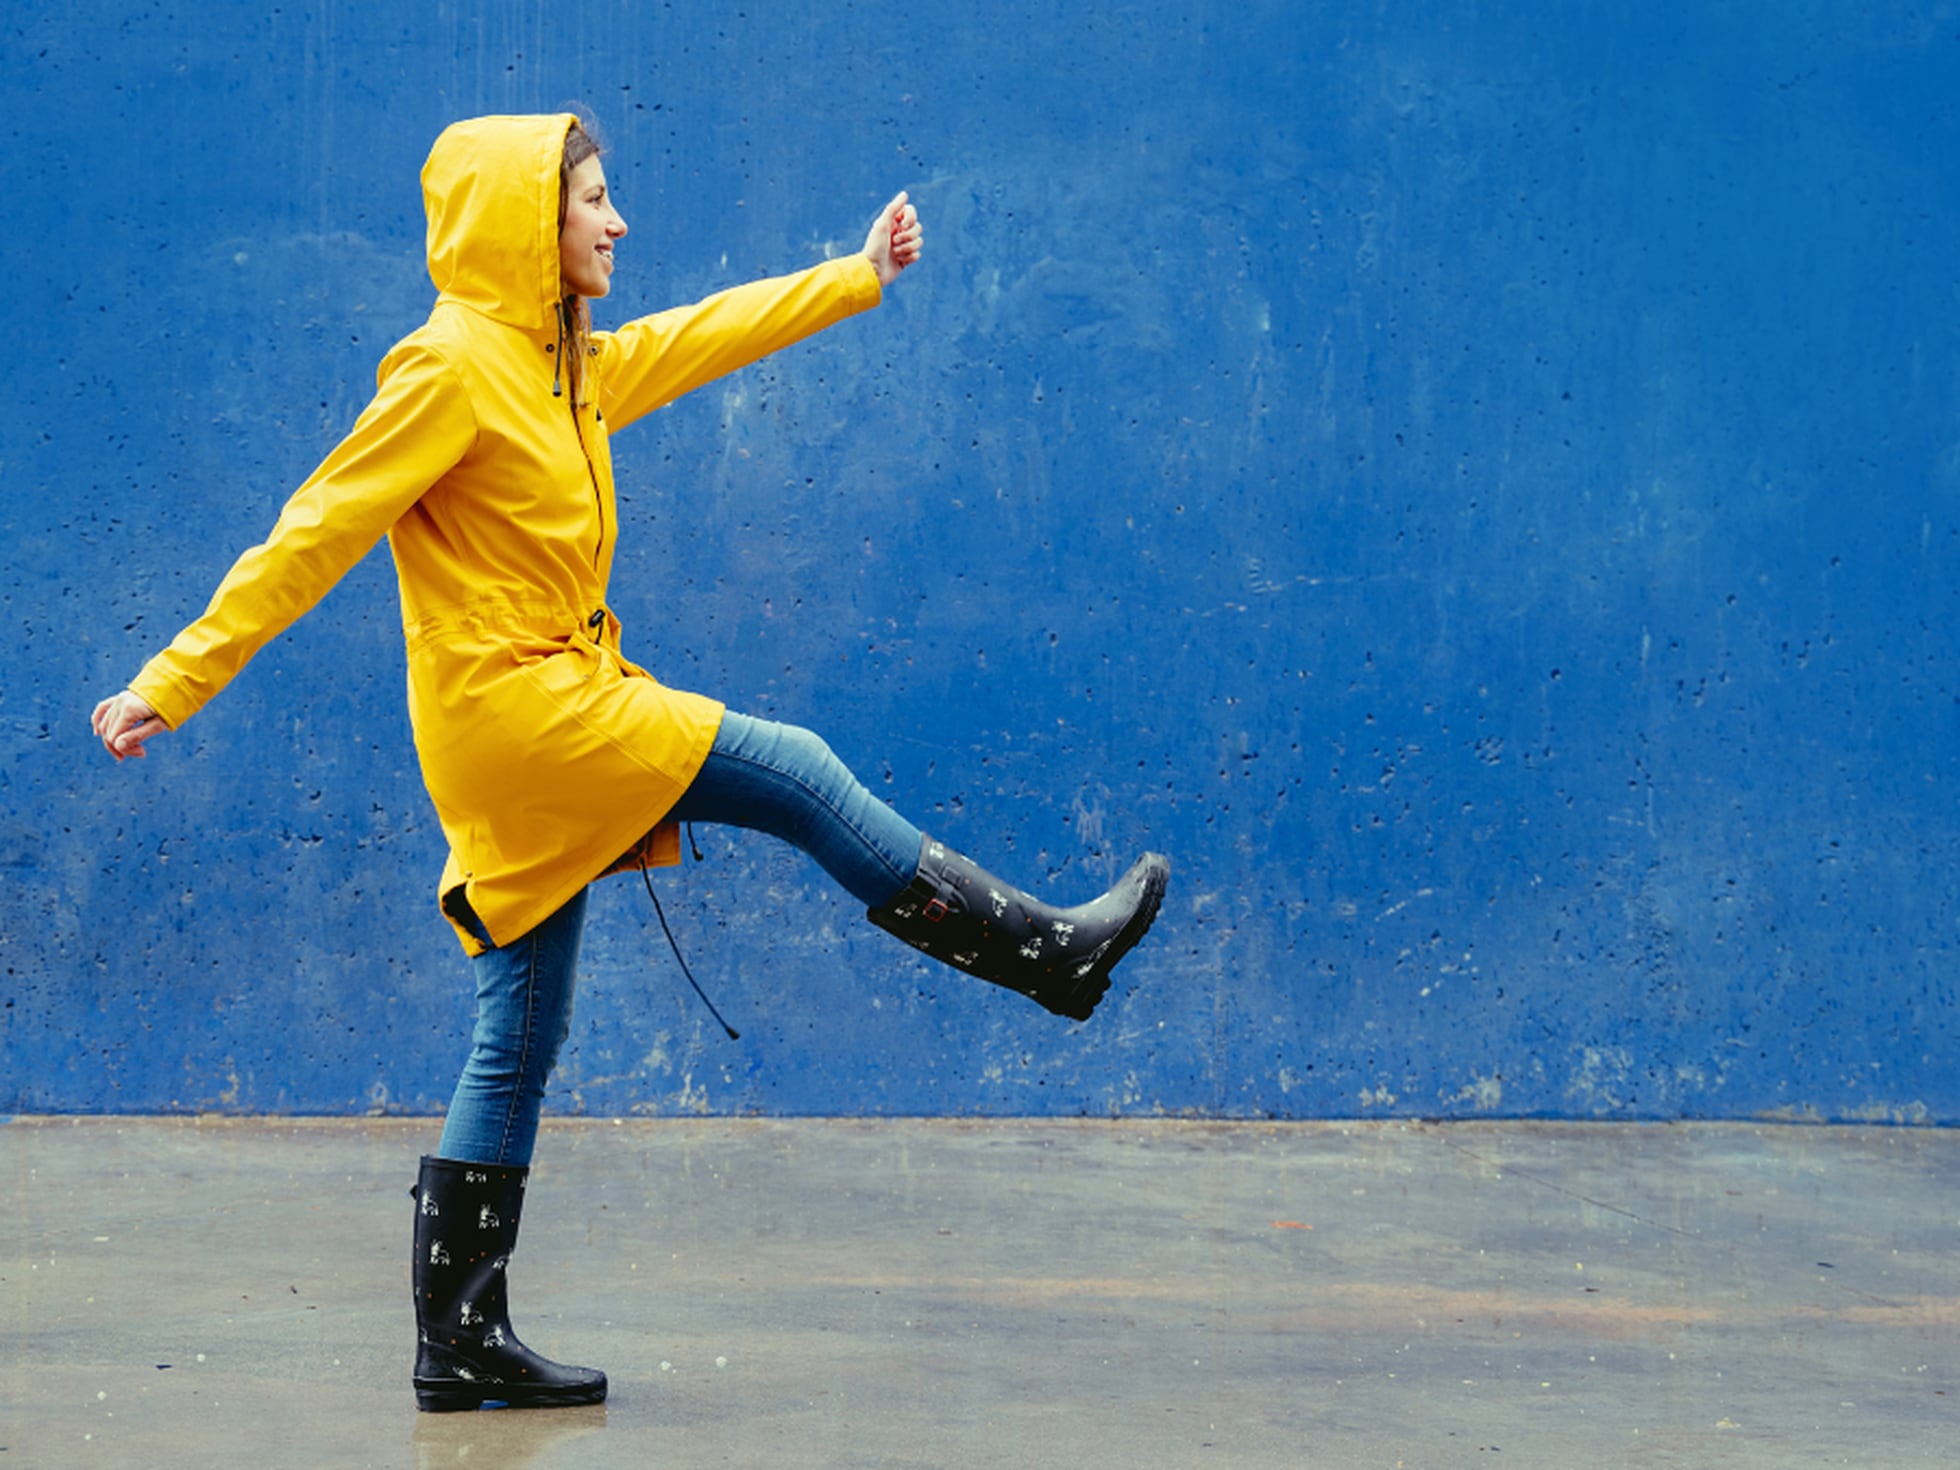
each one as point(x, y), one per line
point(661, 914)
point(558, 355)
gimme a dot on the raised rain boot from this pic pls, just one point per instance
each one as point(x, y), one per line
point(466, 1220)
point(963, 916)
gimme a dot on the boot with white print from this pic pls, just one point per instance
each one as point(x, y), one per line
point(467, 1355)
point(963, 916)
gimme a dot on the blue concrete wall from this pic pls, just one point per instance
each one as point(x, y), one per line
point(1478, 484)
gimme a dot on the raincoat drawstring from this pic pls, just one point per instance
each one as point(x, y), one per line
point(558, 356)
point(733, 1034)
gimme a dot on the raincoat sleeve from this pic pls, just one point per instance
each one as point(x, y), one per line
point(417, 427)
point(654, 360)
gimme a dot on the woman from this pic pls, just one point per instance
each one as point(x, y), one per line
point(552, 759)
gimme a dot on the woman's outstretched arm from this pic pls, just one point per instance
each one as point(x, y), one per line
point(656, 359)
point(417, 427)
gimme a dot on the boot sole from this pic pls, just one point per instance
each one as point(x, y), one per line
point(453, 1397)
point(1096, 983)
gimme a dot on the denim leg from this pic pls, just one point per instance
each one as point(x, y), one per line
point(784, 780)
point(523, 1014)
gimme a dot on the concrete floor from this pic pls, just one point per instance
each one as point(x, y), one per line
point(1032, 1294)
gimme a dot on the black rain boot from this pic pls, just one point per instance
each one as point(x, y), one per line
point(963, 916)
point(466, 1220)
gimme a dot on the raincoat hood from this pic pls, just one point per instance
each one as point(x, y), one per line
point(490, 189)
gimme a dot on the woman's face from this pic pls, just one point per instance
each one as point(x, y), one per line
point(585, 245)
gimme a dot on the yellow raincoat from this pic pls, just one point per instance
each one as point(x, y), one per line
point(547, 753)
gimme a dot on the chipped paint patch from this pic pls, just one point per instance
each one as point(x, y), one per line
point(1602, 1082)
point(1913, 1114)
point(1485, 1094)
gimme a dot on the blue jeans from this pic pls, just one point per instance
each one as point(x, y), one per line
point(761, 775)
point(785, 781)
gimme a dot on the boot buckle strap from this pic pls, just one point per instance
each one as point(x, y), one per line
point(933, 905)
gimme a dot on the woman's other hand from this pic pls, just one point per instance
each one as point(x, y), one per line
point(124, 723)
point(895, 240)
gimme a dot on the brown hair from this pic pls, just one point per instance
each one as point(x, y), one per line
point(580, 144)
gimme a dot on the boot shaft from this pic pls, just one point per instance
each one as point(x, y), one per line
point(466, 1222)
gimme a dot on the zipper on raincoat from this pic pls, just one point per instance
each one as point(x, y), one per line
point(558, 391)
point(598, 497)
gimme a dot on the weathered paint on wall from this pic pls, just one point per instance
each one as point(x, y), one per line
point(1479, 486)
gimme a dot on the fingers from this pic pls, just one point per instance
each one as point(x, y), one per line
point(130, 742)
point(895, 240)
point(123, 723)
point(905, 232)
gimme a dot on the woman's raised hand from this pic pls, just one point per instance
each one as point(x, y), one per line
point(124, 722)
point(895, 241)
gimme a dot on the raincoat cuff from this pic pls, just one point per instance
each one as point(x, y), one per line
point(862, 283)
point(173, 703)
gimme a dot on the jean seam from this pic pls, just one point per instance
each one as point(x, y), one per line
point(524, 1050)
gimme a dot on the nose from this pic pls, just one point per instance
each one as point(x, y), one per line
point(616, 226)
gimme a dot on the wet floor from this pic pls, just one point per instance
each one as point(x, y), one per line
point(1077, 1294)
